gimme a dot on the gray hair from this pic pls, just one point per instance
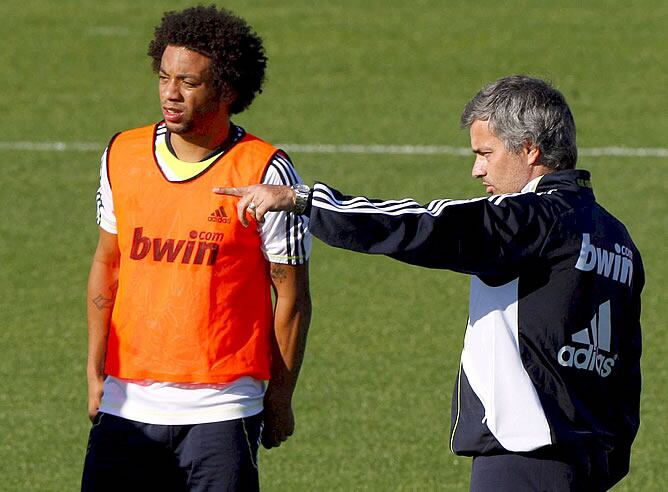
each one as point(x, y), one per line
point(523, 110)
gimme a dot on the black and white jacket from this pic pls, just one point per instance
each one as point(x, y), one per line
point(551, 354)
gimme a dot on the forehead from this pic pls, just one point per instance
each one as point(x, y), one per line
point(481, 135)
point(182, 60)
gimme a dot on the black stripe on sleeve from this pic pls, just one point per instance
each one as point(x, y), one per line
point(289, 168)
point(295, 232)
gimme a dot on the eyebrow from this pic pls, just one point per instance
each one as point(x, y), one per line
point(181, 75)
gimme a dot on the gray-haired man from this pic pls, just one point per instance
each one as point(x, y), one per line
point(547, 395)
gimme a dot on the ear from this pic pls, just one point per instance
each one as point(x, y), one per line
point(533, 154)
point(228, 95)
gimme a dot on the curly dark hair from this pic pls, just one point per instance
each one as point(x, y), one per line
point(237, 56)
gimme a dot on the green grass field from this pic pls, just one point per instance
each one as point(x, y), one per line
point(373, 404)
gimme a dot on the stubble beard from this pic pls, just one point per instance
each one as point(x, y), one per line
point(180, 128)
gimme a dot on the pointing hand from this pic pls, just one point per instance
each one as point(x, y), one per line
point(257, 200)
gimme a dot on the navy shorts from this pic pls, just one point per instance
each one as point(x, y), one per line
point(127, 455)
point(534, 472)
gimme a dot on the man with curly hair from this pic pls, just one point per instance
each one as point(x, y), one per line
point(190, 363)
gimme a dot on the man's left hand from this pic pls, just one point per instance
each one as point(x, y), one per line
point(279, 421)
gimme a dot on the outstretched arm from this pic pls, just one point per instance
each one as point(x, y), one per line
point(486, 235)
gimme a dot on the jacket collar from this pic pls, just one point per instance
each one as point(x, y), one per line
point(577, 180)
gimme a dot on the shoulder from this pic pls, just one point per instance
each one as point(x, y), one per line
point(280, 170)
point(252, 149)
point(134, 134)
point(250, 140)
point(545, 203)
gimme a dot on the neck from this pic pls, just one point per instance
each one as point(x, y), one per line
point(540, 170)
point(194, 148)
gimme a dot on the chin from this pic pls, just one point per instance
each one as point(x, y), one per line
point(177, 128)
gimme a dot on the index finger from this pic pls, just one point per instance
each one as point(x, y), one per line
point(229, 190)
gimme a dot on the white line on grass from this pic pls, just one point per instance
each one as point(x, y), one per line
point(348, 149)
point(51, 146)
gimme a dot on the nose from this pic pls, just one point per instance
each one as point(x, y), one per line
point(170, 90)
point(478, 170)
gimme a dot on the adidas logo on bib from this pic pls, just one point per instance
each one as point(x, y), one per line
point(219, 215)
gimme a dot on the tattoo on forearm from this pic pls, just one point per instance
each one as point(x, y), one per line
point(101, 302)
point(278, 272)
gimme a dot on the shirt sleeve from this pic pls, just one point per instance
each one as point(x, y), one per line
point(106, 217)
point(285, 236)
point(494, 235)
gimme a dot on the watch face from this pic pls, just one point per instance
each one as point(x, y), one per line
point(301, 190)
point(302, 193)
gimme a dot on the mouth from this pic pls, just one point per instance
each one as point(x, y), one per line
point(488, 188)
point(173, 115)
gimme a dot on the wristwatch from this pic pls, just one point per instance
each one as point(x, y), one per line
point(302, 194)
